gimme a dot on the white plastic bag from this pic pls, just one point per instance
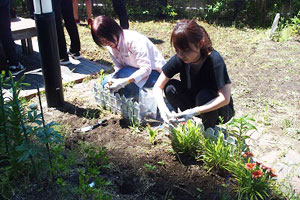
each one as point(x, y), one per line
point(147, 104)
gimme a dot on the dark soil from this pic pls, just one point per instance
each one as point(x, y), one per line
point(170, 176)
point(129, 152)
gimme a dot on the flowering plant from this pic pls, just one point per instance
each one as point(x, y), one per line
point(255, 180)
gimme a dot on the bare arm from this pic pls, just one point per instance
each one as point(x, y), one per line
point(221, 100)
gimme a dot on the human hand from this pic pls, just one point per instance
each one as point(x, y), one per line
point(115, 84)
point(165, 115)
point(186, 115)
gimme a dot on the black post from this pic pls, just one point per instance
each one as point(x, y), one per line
point(48, 47)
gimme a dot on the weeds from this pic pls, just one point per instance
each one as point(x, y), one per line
point(90, 183)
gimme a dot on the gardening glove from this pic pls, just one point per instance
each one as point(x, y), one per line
point(116, 84)
point(186, 115)
point(165, 115)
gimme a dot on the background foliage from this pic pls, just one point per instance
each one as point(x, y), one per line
point(241, 12)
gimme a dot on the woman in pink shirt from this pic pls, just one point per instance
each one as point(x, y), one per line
point(137, 62)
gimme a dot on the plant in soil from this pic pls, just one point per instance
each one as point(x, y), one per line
point(215, 154)
point(186, 138)
point(26, 139)
point(255, 181)
point(238, 127)
point(86, 166)
point(152, 133)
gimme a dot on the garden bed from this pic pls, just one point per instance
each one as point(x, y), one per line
point(265, 77)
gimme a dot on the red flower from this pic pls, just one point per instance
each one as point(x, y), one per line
point(183, 123)
point(250, 165)
point(247, 154)
point(257, 174)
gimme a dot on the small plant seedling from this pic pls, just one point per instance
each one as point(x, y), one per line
point(152, 133)
point(150, 167)
point(162, 163)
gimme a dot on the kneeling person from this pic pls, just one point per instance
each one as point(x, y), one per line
point(204, 86)
point(137, 62)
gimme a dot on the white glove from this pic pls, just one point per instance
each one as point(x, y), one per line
point(186, 115)
point(165, 115)
point(115, 84)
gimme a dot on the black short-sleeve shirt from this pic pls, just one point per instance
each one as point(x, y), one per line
point(212, 75)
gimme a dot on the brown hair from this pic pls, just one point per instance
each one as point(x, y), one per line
point(188, 32)
point(105, 27)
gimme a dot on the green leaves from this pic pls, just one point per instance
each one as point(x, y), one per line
point(186, 138)
point(216, 154)
point(27, 139)
point(34, 117)
point(152, 134)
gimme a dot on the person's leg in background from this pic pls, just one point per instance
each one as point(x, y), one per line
point(13, 12)
point(62, 46)
point(120, 9)
point(30, 8)
point(131, 90)
point(68, 16)
point(7, 41)
point(152, 79)
point(75, 10)
point(88, 8)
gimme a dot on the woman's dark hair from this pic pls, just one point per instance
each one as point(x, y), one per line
point(105, 27)
point(188, 32)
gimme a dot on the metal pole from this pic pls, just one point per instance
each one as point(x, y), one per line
point(48, 48)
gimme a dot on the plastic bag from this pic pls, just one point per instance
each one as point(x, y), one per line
point(147, 104)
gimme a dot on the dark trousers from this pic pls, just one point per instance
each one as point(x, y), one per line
point(120, 9)
point(64, 9)
point(6, 36)
point(179, 97)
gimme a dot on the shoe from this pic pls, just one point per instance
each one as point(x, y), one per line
point(75, 56)
point(65, 61)
point(77, 21)
point(90, 22)
point(15, 70)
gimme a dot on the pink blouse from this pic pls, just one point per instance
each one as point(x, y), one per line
point(136, 50)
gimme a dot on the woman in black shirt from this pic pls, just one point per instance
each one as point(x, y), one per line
point(204, 86)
